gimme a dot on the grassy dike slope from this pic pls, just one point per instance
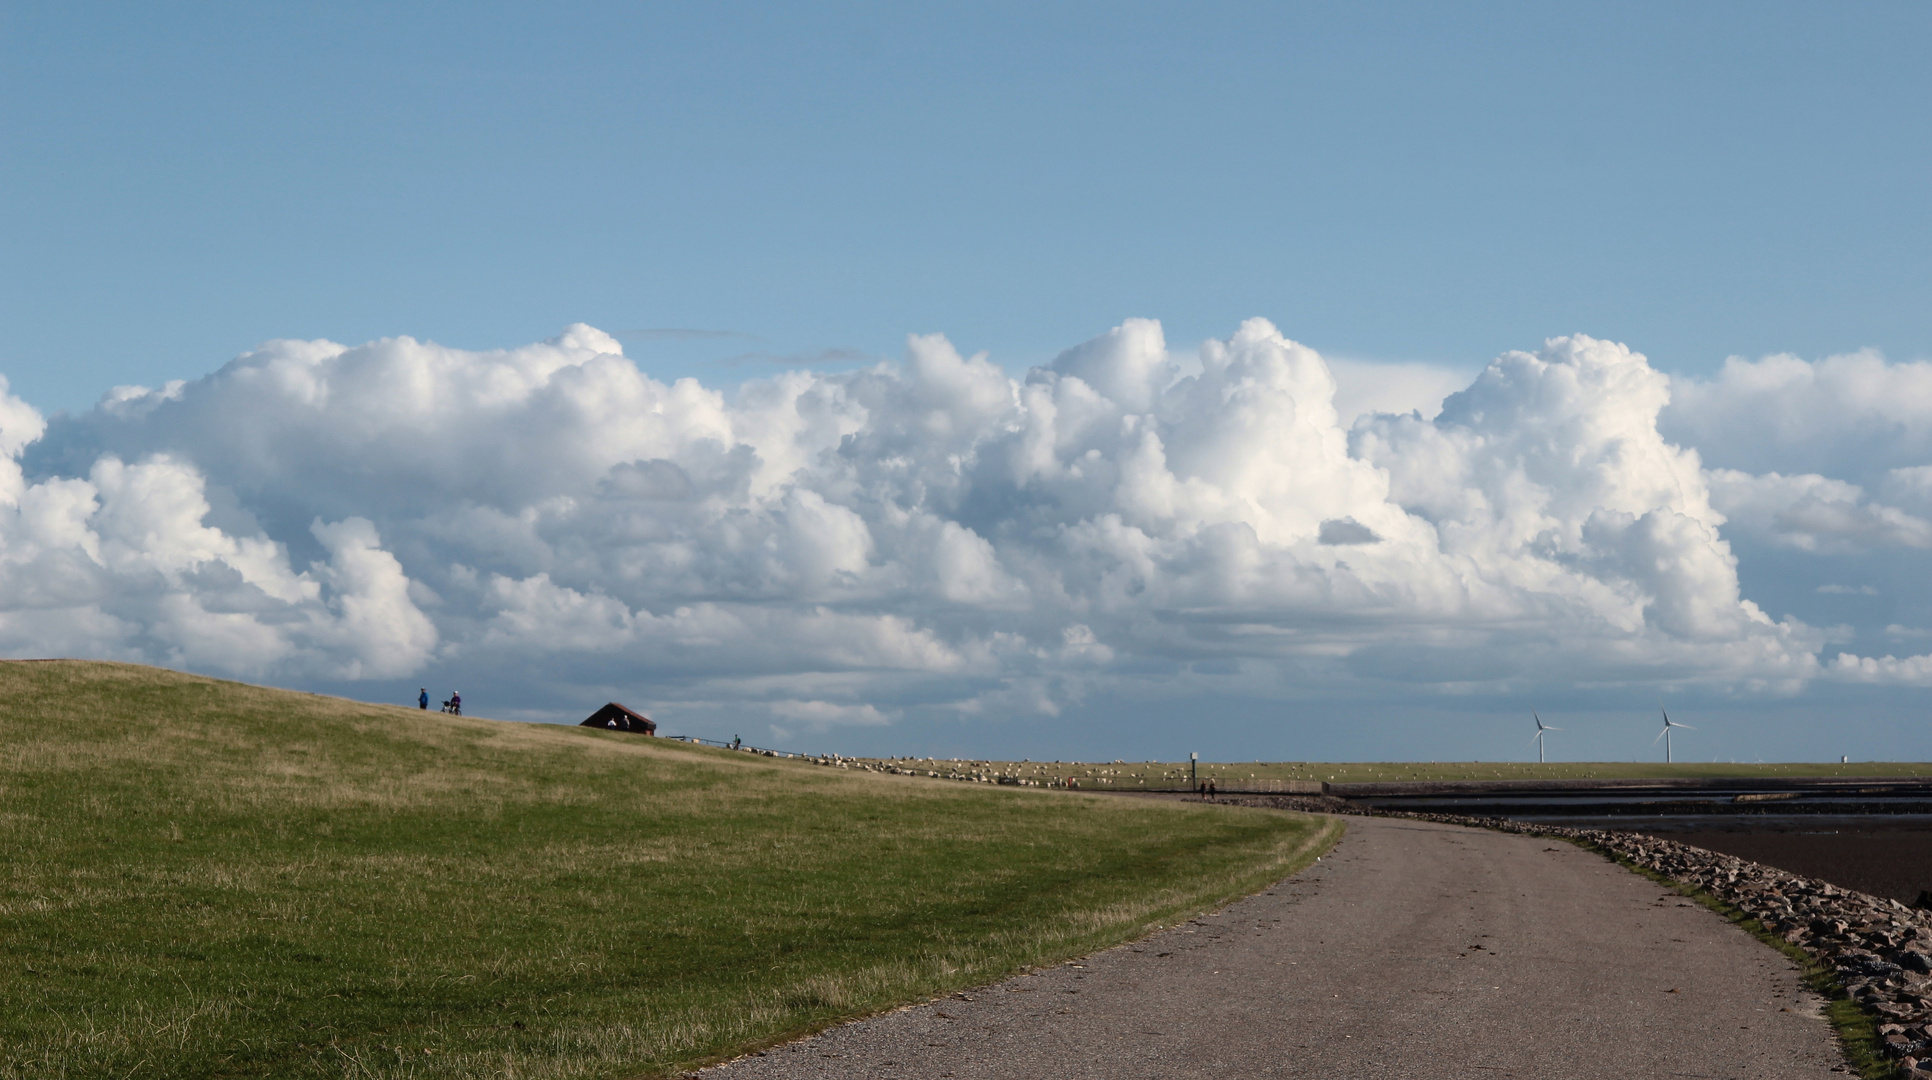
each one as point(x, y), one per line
point(204, 878)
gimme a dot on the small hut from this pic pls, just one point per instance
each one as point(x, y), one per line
point(616, 717)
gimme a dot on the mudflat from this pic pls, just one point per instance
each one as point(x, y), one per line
point(1874, 855)
point(1413, 950)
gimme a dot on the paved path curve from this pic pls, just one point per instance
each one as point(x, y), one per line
point(1412, 950)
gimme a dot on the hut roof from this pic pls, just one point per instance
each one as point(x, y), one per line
point(617, 717)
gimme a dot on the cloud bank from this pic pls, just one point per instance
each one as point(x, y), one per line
point(933, 536)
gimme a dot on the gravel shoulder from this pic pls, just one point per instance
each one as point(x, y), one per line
point(1414, 949)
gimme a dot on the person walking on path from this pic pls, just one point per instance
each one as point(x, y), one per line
point(456, 702)
point(422, 699)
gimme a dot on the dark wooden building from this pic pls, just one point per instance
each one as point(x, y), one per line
point(617, 718)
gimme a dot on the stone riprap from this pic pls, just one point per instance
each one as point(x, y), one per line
point(1880, 950)
point(1020, 774)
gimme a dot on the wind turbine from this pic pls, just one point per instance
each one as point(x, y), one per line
point(1541, 727)
point(1665, 734)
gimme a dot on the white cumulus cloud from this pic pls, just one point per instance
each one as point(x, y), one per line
point(932, 535)
point(1814, 513)
point(1852, 417)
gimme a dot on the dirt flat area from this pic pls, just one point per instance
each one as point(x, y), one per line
point(1413, 950)
point(1883, 860)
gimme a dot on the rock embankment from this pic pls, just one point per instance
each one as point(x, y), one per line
point(1117, 776)
point(1307, 804)
point(1880, 950)
point(978, 772)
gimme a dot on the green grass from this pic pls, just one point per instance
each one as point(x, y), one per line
point(1137, 774)
point(206, 879)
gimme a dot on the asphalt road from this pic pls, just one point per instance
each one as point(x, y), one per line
point(1412, 950)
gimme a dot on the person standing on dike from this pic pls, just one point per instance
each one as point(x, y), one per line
point(422, 699)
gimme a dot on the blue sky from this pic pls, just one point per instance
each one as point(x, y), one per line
point(742, 194)
point(1385, 181)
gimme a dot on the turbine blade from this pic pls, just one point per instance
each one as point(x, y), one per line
point(1660, 735)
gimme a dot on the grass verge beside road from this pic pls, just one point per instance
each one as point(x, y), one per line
point(211, 879)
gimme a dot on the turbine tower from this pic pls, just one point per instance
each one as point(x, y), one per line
point(1541, 727)
point(1665, 734)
